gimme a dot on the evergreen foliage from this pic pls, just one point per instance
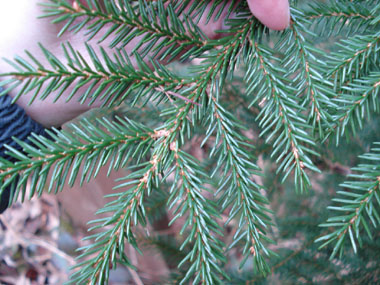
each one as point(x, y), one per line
point(286, 98)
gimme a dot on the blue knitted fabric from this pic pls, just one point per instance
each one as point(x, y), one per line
point(14, 122)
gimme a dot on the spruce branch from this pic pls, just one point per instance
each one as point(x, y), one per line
point(375, 11)
point(356, 103)
point(238, 189)
point(360, 204)
point(301, 60)
point(337, 17)
point(242, 193)
point(126, 212)
point(114, 80)
point(87, 145)
point(354, 58)
point(207, 271)
point(129, 209)
point(281, 115)
point(237, 165)
point(162, 31)
point(206, 254)
point(101, 79)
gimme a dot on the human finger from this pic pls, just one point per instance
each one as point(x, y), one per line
point(275, 14)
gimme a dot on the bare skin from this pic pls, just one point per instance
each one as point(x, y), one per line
point(21, 29)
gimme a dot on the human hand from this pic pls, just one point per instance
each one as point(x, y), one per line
point(20, 30)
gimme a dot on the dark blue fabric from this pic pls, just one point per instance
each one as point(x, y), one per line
point(14, 122)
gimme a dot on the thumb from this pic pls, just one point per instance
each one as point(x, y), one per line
point(275, 14)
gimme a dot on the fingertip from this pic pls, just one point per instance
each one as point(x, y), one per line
point(275, 14)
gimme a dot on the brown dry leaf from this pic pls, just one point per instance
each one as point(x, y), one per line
point(29, 232)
